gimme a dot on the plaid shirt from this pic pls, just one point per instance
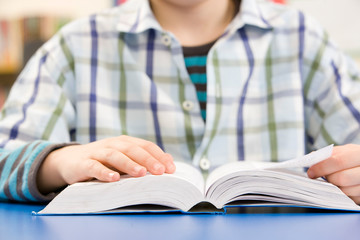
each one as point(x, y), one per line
point(277, 88)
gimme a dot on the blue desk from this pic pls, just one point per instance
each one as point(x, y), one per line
point(16, 222)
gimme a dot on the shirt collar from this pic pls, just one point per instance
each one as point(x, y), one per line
point(249, 14)
point(136, 16)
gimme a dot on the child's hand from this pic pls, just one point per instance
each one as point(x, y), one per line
point(341, 169)
point(102, 160)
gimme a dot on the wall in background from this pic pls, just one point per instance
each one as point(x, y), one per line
point(69, 8)
point(340, 18)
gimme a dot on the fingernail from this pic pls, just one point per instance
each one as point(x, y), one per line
point(310, 174)
point(171, 168)
point(139, 170)
point(111, 176)
point(158, 168)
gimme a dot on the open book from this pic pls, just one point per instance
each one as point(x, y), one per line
point(233, 184)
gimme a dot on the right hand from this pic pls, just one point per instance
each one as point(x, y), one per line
point(103, 160)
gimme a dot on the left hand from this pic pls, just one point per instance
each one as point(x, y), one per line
point(341, 169)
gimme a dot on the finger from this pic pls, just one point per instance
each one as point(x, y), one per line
point(168, 161)
point(345, 178)
point(94, 169)
point(326, 167)
point(356, 199)
point(351, 191)
point(117, 160)
point(142, 157)
point(153, 149)
point(343, 157)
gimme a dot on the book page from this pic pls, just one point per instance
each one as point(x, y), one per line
point(281, 183)
point(231, 168)
point(180, 190)
point(282, 186)
point(189, 173)
point(300, 162)
point(305, 161)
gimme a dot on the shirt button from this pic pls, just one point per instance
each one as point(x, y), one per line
point(166, 40)
point(188, 105)
point(204, 164)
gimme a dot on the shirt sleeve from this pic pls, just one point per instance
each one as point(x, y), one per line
point(331, 90)
point(18, 169)
point(38, 116)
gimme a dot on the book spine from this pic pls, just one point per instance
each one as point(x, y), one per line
point(3, 95)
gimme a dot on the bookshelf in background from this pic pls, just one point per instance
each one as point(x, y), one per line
point(279, 1)
point(19, 39)
point(10, 46)
point(118, 2)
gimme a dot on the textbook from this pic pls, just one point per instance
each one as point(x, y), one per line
point(233, 184)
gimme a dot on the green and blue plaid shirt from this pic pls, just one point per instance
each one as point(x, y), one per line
point(277, 87)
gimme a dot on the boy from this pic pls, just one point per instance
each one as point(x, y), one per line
point(207, 81)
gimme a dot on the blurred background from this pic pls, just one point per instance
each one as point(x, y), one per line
point(26, 24)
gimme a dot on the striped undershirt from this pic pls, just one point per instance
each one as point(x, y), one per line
point(195, 62)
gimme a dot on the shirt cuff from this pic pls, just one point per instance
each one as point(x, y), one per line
point(33, 188)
